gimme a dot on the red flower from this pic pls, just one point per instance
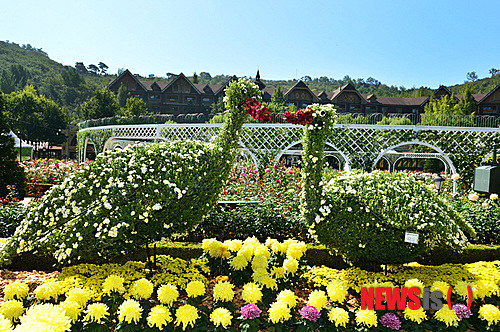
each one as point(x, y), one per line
point(301, 117)
point(256, 110)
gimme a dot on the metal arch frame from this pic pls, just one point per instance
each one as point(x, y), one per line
point(87, 140)
point(441, 152)
point(423, 157)
point(347, 161)
point(242, 146)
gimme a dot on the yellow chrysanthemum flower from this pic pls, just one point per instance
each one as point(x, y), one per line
point(72, 309)
point(259, 262)
point(246, 251)
point(339, 316)
point(485, 288)
point(221, 316)
point(279, 312)
point(268, 282)
point(366, 317)
point(159, 316)
point(195, 288)
point(44, 317)
point(442, 287)
point(142, 289)
point(167, 294)
point(238, 263)
point(113, 283)
point(49, 290)
point(417, 316)
point(337, 291)
point(447, 316)
point(79, 295)
point(130, 310)
point(223, 291)
point(288, 297)
point(5, 325)
point(234, 245)
point(296, 250)
point(489, 313)
point(16, 290)
point(278, 272)
point(415, 283)
point(12, 309)
point(186, 315)
point(291, 265)
point(278, 248)
point(262, 250)
point(317, 299)
point(461, 289)
point(251, 293)
point(259, 274)
point(96, 311)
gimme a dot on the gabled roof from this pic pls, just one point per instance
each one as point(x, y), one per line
point(203, 88)
point(127, 72)
point(346, 87)
point(149, 84)
point(301, 85)
point(443, 88)
point(181, 75)
point(489, 94)
point(476, 96)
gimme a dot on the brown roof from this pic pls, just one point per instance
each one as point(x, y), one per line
point(148, 84)
point(477, 96)
point(402, 101)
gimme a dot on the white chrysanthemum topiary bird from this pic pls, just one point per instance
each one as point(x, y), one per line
point(364, 216)
point(130, 197)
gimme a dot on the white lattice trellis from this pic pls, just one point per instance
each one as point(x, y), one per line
point(361, 145)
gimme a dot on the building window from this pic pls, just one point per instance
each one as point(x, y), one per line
point(189, 100)
point(489, 109)
point(137, 96)
point(370, 108)
point(206, 99)
point(172, 109)
point(399, 110)
point(175, 87)
point(172, 99)
point(385, 109)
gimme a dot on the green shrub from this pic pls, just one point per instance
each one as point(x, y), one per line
point(395, 121)
point(246, 220)
point(11, 216)
point(484, 217)
point(364, 218)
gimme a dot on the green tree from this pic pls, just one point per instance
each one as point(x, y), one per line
point(134, 107)
point(467, 105)
point(13, 79)
point(71, 78)
point(472, 76)
point(195, 78)
point(80, 68)
point(11, 173)
point(278, 97)
point(122, 95)
point(102, 67)
point(36, 117)
point(218, 107)
point(102, 105)
point(444, 105)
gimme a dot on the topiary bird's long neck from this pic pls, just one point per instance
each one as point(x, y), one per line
point(313, 143)
point(229, 135)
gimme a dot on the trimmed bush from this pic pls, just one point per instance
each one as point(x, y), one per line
point(364, 217)
point(11, 216)
point(484, 217)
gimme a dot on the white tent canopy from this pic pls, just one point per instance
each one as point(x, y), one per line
point(16, 139)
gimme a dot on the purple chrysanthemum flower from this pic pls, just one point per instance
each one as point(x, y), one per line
point(391, 321)
point(310, 313)
point(461, 311)
point(250, 311)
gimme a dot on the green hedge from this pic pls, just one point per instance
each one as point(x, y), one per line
point(316, 255)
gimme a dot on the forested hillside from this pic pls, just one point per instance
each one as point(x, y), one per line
point(21, 65)
point(70, 87)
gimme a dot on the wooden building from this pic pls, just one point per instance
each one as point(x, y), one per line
point(180, 96)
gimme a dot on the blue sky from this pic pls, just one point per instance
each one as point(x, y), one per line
point(409, 43)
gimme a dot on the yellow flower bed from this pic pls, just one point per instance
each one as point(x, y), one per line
point(175, 271)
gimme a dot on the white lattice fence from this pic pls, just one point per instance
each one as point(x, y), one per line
point(362, 145)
